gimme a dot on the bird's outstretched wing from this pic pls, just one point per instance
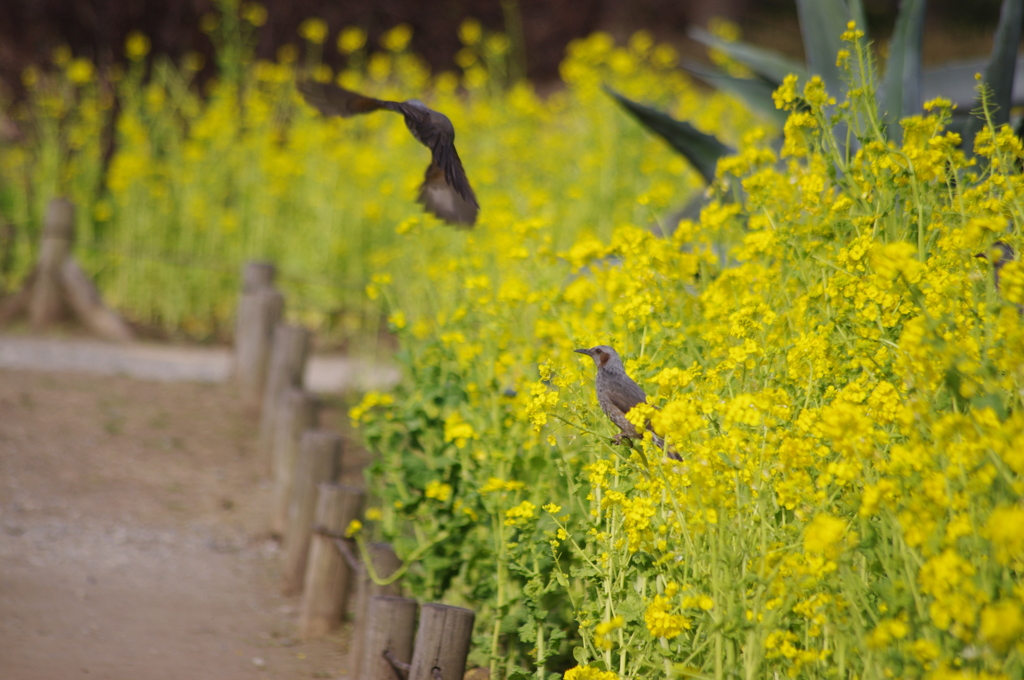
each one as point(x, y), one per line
point(435, 131)
point(332, 100)
point(441, 199)
point(445, 191)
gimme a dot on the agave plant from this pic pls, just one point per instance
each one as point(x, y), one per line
point(905, 85)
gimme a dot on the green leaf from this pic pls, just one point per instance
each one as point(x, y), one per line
point(822, 22)
point(999, 72)
point(701, 149)
point(768, 64)
point(954, 82)
point(901, 88)
point(756, 92)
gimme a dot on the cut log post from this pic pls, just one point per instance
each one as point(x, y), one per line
point(58, 284)
point(389, 635)
point(319, 461)
point(46, 304)
point(385, 562)
point(260, 308)
point(287, 364)
point(442, 642)
point(8, 235)
point(296, 412)
point(328, 575)
point(258, 275)
point(83, 297)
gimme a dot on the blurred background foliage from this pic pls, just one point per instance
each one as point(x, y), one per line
point(130, 108)
point(96, 29)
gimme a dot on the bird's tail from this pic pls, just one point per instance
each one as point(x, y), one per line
point(660, 443)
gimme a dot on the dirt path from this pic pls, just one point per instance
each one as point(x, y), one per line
point(132, 536)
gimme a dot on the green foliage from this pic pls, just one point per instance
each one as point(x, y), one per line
point(821, 24)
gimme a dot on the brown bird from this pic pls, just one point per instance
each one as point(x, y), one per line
point(445, 191)
point(617, 394)
point(1000, 254)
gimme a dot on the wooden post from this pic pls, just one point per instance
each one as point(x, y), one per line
point(389, 630)
point(385, 562)
point(296, 413)
point(319, 461)
point(328, 575)
point(8, 234)
point(442, 642)
point(58, 285)
point(258, 275)
point(287, 364)
point(260, 308)
point(83, 297)
point(46, 304)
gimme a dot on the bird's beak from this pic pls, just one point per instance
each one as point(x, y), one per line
point(588, 352)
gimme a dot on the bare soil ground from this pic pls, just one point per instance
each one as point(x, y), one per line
point(133, 538)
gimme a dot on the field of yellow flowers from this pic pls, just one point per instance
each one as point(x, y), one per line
point(827, 353)
point(201, 181)
point(834, 364)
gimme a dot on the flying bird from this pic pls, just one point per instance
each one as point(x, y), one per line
point(617, 394)
point(445, 191)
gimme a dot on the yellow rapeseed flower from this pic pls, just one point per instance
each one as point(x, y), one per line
point(254, 13)
point(351, 39)
point(314, 30)
point(80, 71)
point(438, 490)
point(589, 673)
point(136, 46)
point(470, 32)
point(397, 39)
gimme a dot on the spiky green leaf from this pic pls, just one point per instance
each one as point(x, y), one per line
point(901, 87)
point(756, 92)
point(768, 64)
point(701, 149)
point(822, 22)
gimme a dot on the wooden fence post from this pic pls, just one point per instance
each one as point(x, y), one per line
point(296, 412)
point(260, 307)
point(389, 633)
point(258, 275)
point(287, 364)
point(8, 234)
point(328, 575)
point(46, 304)
point(385, 562)
point(319, 461)
point(442, 642)
point(83, 297)
point(58, 285)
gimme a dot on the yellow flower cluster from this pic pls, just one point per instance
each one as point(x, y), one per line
point(661, 623)
point(589, 673)
point(838, 372)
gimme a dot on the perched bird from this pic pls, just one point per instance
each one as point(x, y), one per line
point(617, 394)
point(1000, 254)
point(445, 191)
